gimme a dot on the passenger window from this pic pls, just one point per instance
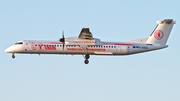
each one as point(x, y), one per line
point(106, 46)
point(57, 45)
point(52, 45)
point(41, 45)
point(38, 45)
point(44, 45)
point(114, 46)
point(35, 45)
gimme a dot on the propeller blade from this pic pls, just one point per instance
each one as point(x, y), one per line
point(63, 39)
point(63, 34)
point(63, 46)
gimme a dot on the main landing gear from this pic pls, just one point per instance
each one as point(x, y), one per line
point(86, 61)
point(13, 56)
point(87, 56)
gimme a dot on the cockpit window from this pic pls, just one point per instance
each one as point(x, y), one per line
point(18, 43)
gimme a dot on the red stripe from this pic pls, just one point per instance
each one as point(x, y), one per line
point(80, 49)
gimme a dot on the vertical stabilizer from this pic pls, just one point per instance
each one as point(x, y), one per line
point(161, 33)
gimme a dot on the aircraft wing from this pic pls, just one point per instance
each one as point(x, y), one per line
point(85, 34)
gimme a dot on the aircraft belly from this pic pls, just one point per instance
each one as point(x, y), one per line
point(91, 51)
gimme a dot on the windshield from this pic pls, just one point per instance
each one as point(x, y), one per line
point(18, 43)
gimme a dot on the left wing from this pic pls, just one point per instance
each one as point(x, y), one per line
point(85, 34)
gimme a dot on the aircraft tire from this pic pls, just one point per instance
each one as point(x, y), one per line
point(13, 56)
point(86, 61)
point(87, 56)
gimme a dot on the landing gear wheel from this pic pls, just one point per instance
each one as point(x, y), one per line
point(87, 56)
point(86, 61)
point(13, 56)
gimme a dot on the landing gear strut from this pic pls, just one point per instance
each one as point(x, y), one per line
point(13, 56)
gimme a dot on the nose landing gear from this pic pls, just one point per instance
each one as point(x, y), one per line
point(13, 56)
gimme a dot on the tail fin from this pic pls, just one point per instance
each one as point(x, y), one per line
point(161, 32)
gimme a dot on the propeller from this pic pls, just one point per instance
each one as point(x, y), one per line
point(62, 39)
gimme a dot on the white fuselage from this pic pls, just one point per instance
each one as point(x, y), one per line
point(86, 45)
point(109, 48)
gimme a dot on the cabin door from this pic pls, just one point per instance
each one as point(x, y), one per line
point(26, 48)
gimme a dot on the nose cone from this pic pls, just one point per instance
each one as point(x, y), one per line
point(8, 50)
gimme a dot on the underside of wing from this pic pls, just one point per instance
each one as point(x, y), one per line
point(105, 53)
point(85, 34)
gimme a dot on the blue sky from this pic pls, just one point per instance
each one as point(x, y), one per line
point(151, 76)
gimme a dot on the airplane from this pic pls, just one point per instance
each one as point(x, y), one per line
point(85, 44)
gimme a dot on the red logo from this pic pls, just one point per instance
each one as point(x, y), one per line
point(41, 47)
point(158, 34)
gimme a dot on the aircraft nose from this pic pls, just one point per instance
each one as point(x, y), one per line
point(8, 50)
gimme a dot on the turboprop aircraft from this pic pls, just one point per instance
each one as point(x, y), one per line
point(85, 44)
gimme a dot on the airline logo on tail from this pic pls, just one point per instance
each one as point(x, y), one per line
point(158, 34)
